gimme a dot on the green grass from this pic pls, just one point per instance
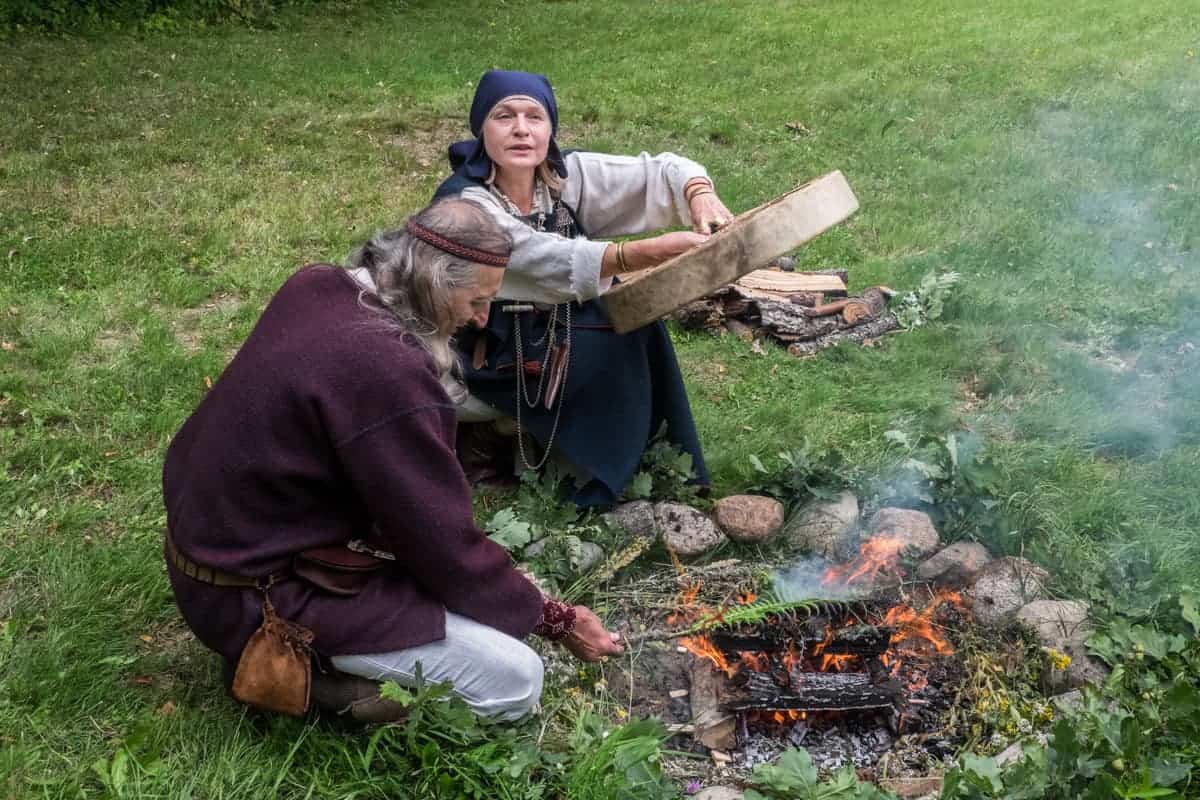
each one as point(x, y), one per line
point(155, 190)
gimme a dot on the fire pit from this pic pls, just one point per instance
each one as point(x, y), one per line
point(848, 673)
point(887, 661)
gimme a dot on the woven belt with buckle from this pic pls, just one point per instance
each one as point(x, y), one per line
point(211, 575)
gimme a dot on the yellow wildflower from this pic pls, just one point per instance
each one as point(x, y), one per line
point(1058, 659)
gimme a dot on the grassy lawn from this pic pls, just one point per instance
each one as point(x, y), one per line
point(154, 191)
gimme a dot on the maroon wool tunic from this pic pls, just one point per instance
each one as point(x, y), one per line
point(326, 423)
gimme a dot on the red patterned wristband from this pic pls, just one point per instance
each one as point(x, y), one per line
point(557, 621)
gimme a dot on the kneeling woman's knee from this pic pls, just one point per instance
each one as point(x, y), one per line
point(518, 683)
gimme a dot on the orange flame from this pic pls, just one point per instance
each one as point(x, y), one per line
point(881, 554)
point(702, 647)
point(792, 658)
point(916, 631)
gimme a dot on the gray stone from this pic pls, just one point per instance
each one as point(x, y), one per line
point(590, 555)
point(636, 519)
point(955, 565)
point(1002, 586)
point(719, 793)
point(687, 531)
point(913, 528)
point(1063, 625)
point(748, 518)
point(820, 527)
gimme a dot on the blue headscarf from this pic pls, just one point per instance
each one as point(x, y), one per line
point(469, 157)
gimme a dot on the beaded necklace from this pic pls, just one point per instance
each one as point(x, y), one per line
point(562, 223)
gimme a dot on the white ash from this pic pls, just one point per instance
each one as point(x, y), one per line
point(831, 749)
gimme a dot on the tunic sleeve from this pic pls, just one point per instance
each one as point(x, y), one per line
point(544, 267)
point(620, 195)
point(404, 469)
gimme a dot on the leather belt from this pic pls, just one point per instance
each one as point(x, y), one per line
point(211, 575)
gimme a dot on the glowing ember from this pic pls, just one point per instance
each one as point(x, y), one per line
point(792, 659)
point(755, 661)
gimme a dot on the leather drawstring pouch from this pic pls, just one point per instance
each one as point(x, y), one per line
point(275, 670)
point(342, 570)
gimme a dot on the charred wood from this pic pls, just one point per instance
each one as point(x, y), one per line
point(816, 691)
point(860, 640)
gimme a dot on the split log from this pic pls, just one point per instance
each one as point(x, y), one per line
point(791, 321)
point(714, 727)
point(856, 335)
point(734, 305)
point(701, 314)
point(870, 304)
point(808, 299)
point(790, 282)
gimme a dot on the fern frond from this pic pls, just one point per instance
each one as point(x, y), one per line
point(759, 610)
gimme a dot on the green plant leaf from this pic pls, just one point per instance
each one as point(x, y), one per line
point(506, 530)
point(390, 690)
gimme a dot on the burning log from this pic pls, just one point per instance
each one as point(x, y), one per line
point(864, 641)
point(817, 691)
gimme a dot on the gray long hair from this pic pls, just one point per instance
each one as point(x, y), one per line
point(414, 279)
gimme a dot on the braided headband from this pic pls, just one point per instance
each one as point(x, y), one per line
point(454, 248)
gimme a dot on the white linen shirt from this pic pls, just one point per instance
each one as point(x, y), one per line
point(611, 196)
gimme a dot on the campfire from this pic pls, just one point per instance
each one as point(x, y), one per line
point(865, 667)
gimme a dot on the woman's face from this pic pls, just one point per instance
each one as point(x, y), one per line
point(472, 303)
point(516, 134)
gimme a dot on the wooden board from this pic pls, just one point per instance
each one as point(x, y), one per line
point(753, 239)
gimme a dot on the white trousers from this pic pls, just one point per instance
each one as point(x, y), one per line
point(497, 675)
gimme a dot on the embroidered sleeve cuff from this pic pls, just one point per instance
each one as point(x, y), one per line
point(557, 620)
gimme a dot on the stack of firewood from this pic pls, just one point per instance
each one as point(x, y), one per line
point(803, 311)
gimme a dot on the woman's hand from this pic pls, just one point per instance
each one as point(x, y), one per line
point(589, 641)
point(657, 249)
point(709, 214)
point(646, 253)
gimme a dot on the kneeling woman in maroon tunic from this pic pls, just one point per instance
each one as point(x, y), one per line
point(331, 425)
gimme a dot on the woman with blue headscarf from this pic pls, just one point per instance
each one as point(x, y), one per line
point(548, 356)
